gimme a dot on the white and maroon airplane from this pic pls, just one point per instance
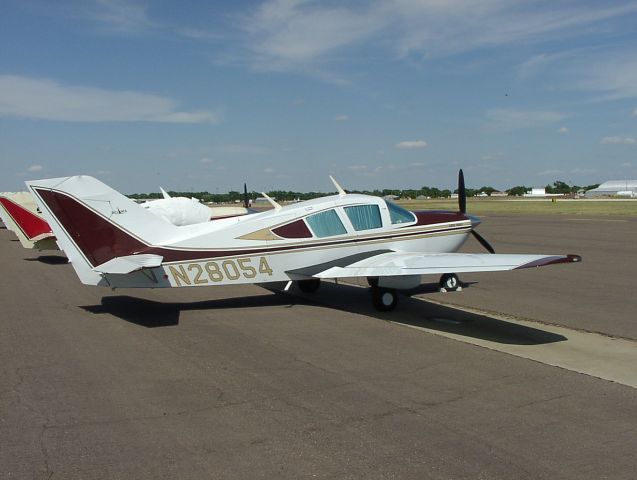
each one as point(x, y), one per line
point(19, 214)
point(113, 242)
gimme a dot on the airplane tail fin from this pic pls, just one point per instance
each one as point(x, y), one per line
point(95, 224)
point(29, 227)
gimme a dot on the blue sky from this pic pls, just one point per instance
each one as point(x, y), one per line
point(282, 93)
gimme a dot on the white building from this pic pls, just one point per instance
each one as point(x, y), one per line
point(621, 188)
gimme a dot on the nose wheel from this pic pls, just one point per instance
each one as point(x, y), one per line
point(384, 299)
point(450, 282)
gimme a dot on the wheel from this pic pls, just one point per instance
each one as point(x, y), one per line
point(309, 286)
point(384, 299)
point(372, 281)
point(449, 282)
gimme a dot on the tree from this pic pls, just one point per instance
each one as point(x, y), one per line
point(518, 191)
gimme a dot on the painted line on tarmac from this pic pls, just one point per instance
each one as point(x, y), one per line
point(608, 358)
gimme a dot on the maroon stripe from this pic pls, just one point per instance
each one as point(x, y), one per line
point(551, 261)
point(432, 217)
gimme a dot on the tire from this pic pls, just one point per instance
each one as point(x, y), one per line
point(450, 282)
point(309, 286)
point(384, 299)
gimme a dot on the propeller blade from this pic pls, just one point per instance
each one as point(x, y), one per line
point(246, 200)
point(483, 242)
point(462, 193)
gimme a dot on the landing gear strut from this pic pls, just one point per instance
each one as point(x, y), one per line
point(450, 282)
point(384, 299)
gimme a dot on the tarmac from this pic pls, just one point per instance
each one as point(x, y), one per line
point(527, 376)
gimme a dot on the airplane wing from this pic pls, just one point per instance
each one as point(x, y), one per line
point(391, 264)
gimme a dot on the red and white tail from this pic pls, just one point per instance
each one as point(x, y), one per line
point(30, 228)
point(95, 224)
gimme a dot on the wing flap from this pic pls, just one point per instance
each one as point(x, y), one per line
point(404, 263)
point(129, 263)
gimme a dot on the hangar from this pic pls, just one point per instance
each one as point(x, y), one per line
point(622, 188)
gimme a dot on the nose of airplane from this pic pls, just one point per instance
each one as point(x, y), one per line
point(475, 221)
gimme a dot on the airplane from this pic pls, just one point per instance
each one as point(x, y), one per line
point(113, 242)
point(19, 214)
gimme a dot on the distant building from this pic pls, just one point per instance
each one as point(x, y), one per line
point(499, 194)
point(540, 192)
point(611, 188)
point(536, 192)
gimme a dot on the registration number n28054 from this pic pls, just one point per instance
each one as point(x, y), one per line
point(229, 270)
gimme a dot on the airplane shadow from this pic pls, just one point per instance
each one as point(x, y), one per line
point(152, 314)
point(49, 259)
point(432, 316)
point(410, 311)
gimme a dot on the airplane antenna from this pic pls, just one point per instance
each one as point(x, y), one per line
point(272, 202)
point(341, 192)
point(164, 193)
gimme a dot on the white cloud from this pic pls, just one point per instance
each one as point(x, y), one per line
point(562, 130)
point(268, 170)
point(206, 160)
point(309, 37)
point(618, 140)
point(613, 76)
point(584, 170)
point(341, 118)
point(505, 119)
point(635, 112)
point(417, 164)
point(49, 100)
point(118, 16)
point(35, 168)
point(358, 168)
point(410, 144)
point(626, 165)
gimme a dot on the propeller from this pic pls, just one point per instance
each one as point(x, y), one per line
point(246, 200)
point(462, 208)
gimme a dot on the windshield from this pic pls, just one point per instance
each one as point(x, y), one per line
point(399, 214)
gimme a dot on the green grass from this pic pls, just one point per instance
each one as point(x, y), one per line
point(505, 206)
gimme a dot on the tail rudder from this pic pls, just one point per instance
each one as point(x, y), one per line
point(95, 224)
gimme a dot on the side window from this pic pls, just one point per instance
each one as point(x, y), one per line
point(399, 215)
point(364, 217)
point(326, 224)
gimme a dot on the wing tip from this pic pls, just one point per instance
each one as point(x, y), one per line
point(552, 260)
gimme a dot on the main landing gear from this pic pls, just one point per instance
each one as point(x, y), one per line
point(384, 299)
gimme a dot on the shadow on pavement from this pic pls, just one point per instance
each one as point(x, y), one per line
point(151, 314)
point(49, 259)
point(431, 316)
point(410, 311)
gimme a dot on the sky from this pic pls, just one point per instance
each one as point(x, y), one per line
point(280, 94)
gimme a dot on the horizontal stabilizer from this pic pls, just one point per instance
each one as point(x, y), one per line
point(403, 263)
point(130, 263)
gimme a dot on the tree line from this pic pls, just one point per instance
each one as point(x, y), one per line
point(431, 192)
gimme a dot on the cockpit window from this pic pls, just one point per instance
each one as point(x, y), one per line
point(399, 215)
point(326, 224)
point(364, 217)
